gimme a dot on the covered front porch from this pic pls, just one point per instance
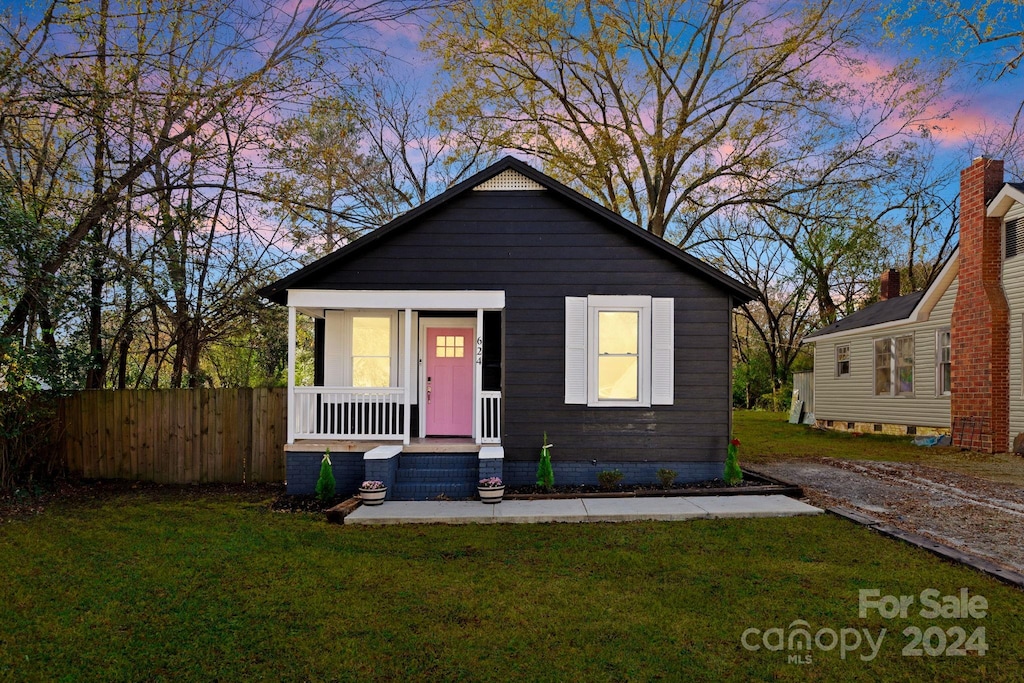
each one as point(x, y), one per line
point(397, 367)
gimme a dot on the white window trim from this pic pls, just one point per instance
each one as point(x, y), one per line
point(938, 360)
point(641, 305)
point(849, 367)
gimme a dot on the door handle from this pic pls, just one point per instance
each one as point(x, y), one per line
point(428, 390)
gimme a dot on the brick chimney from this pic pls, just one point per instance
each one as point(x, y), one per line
point(980, 332)
point(889, 285)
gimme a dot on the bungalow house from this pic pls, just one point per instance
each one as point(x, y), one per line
point(448, 341)
point(947, 359)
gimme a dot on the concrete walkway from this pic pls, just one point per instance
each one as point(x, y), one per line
point(579, 510)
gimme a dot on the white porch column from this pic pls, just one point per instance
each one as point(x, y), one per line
point(407, 378)
point(291, 374)
point(478, 375)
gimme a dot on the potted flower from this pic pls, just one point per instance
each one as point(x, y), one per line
point(372, 492)
point(491, 490)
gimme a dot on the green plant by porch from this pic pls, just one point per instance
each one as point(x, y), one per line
point(325, 485)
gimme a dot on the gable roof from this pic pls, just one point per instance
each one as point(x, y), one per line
point(881, 312)
point(277, 291)
point(909, 308)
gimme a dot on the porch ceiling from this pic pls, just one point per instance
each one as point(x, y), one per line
point(421, 300)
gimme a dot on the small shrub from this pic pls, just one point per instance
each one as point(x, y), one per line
point(667, 477)
point(732, 475)
point(545, 475)
point(325, 482)
point(609, 479)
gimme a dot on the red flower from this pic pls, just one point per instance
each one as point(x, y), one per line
point(735, 442)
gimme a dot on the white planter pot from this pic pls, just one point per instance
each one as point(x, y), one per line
point(491, 494)
point(373, 496)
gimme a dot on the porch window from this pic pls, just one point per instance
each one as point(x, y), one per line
point(371, 351)
point(619, 351)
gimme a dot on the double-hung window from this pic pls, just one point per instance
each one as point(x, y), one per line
point(619, 350)
point(894, 366)
point(842, 360)
point(943, 364)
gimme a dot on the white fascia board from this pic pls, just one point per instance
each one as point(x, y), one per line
point(920, 313)
point(859, 330)
point(1002, 202)
point(423, 300)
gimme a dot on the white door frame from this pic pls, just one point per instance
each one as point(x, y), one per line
point(463, 323)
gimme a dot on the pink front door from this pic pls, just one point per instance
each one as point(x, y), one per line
point(449, 381)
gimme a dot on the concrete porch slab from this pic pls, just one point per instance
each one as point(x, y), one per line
point(579, 510)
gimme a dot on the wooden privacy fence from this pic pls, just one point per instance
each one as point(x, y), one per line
point(177, 436)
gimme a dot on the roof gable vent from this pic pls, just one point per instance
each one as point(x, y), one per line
point(508, 180)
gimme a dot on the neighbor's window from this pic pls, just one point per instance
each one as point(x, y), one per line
point(943, 376)
point(618, 355)
point(371, 351)
point(843, 360)
point(894, 366)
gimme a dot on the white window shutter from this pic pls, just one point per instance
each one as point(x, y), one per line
point(663, 334)
point(575, 350)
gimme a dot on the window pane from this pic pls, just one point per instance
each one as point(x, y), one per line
point(905, 364)
point(617, 378)
point(618, 332)
point(371, 337)
point(371, 372)
point(883, 367)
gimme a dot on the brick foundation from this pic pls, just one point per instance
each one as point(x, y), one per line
point(980, 322)
point(303, 469)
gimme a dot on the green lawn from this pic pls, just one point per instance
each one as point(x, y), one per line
point(217, 587)
point(769, 436)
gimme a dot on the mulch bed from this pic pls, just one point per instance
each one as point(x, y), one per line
point(751, 484)
point(29, 501)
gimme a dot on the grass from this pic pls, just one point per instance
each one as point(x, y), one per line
point(219, 588)
point(768, 436)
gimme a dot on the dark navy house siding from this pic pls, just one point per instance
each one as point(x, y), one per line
point(539, 248)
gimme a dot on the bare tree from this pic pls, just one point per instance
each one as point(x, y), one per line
point(667, 111)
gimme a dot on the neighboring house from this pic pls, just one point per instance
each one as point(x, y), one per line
point(449, 340)
point(948, 359)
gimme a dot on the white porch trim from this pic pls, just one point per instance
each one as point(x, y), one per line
point(424, 300)
point(406, 376)
point(291, 374)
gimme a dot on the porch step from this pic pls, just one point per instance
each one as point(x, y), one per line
point(428, 476)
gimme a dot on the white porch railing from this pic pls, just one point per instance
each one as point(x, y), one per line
point(347, 412)
point(490, 417)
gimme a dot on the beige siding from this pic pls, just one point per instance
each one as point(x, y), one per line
point(852, 399)
point(1013, 285)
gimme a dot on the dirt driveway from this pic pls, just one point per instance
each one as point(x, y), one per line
point(971, 514)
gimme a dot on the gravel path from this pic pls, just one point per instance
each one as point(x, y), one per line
point(974, 515)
